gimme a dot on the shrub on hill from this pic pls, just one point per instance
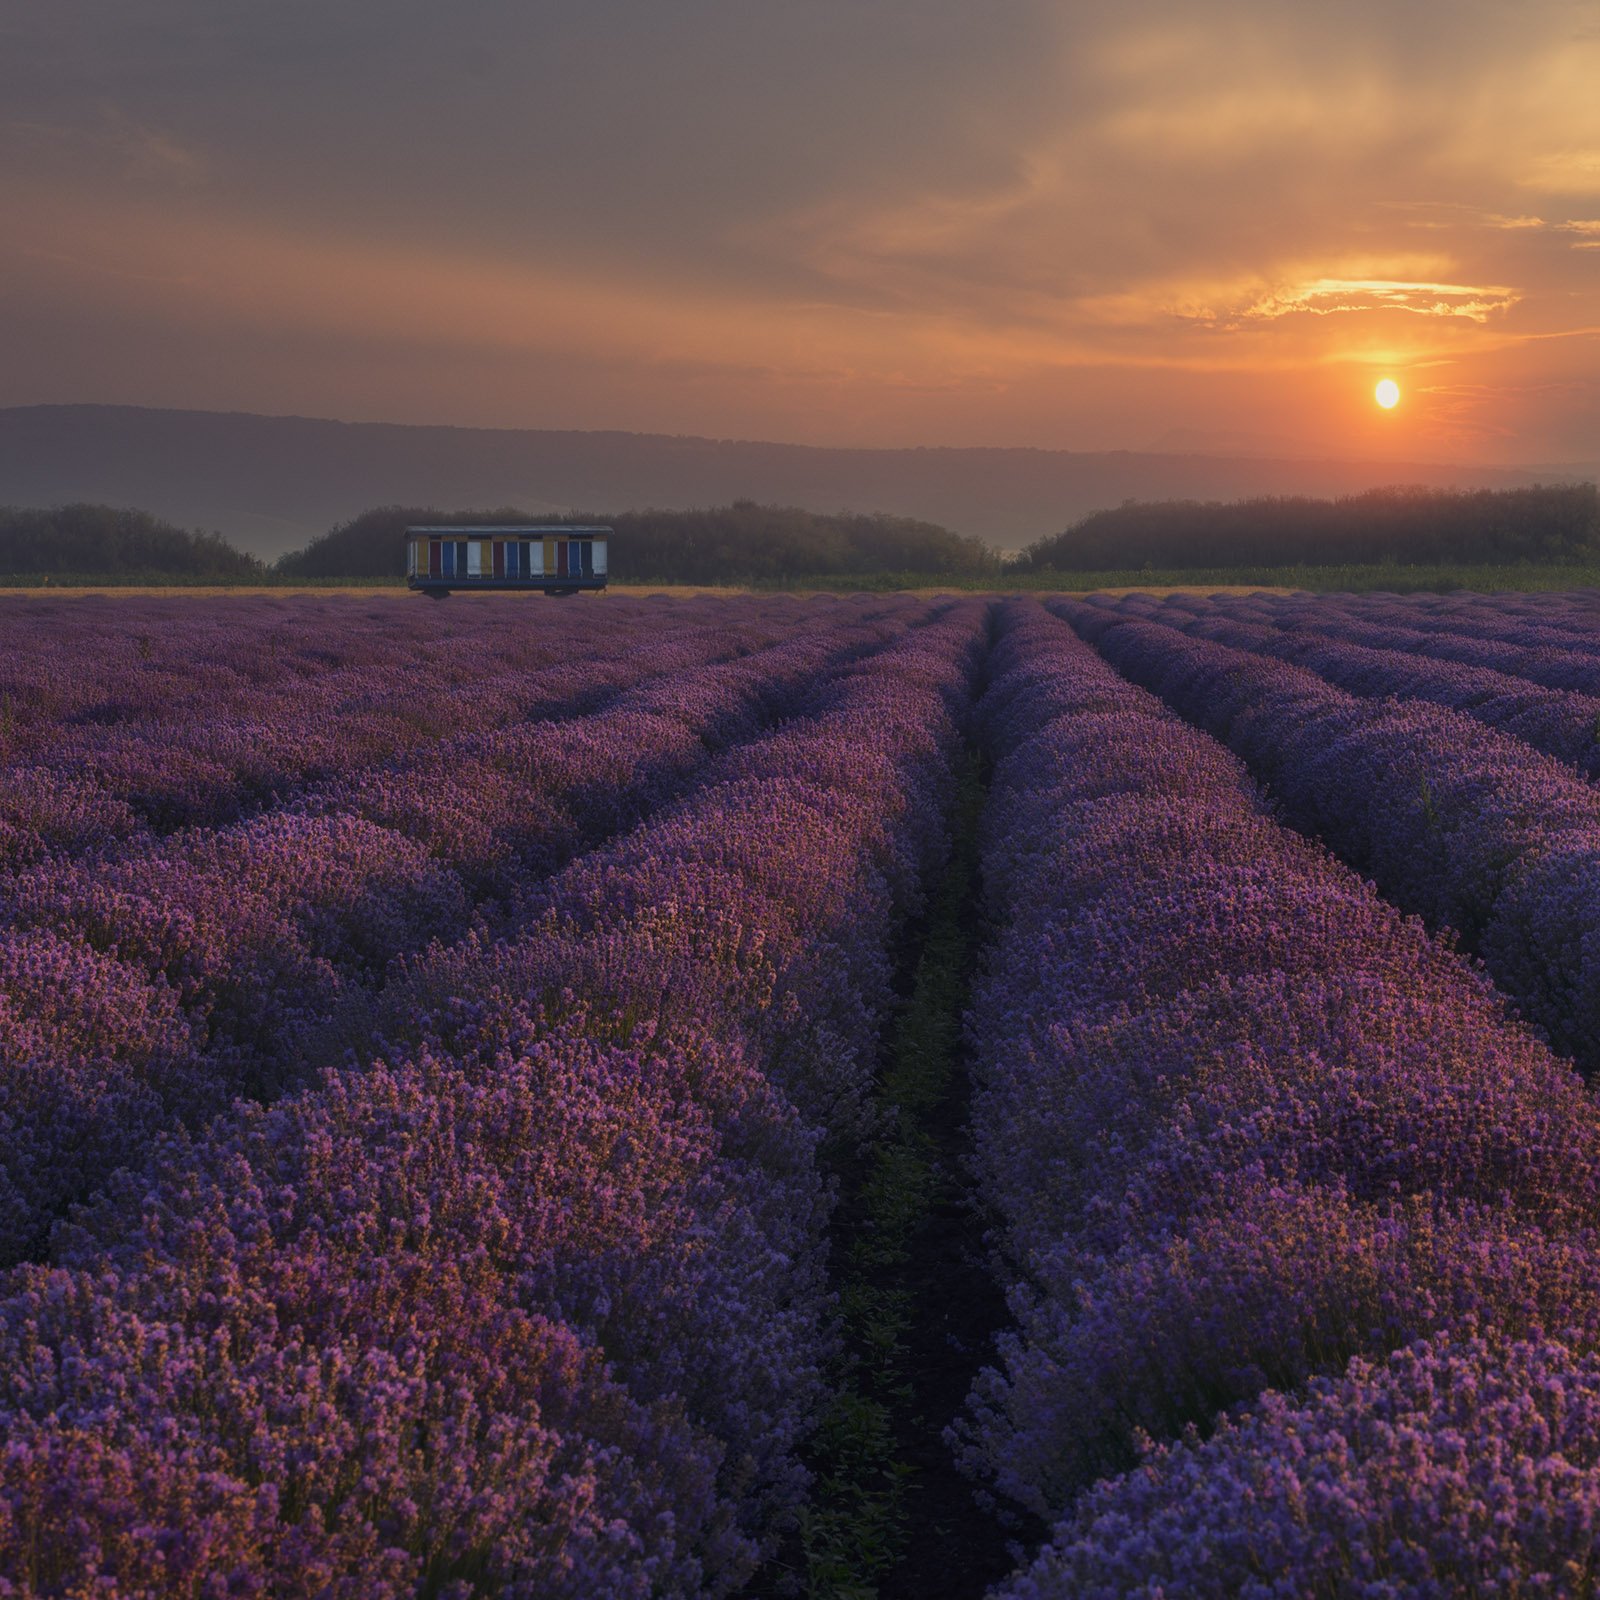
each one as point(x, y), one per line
point(1555, 522)
point(113, 542)
point(736, 543)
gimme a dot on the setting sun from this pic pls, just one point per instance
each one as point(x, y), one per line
point(1387, 394)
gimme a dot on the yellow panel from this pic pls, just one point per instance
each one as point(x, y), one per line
point(549, 557)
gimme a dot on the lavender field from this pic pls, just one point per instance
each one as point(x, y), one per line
point(876, 1096)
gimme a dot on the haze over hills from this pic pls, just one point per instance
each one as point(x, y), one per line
point(270, 484)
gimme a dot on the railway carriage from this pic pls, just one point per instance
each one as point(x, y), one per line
point(552, 558)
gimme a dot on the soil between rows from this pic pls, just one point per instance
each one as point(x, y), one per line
point(892, 1517)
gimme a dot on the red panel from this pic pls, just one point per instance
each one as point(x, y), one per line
point(561, 558)
point(434, 566)
point(499, 558)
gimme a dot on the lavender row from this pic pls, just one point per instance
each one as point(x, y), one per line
point(149, 664)
point(210, 748)
point(1559, 722)
point(1565, 658)
point(535, 1307)
point(1533, 622)
point(1457, 822)
point(1459, 1466)
point(483, 804)
point(1245, 1128)
point(143, 992)
point(684, 894)
point(88, 691)
point(1567, 620)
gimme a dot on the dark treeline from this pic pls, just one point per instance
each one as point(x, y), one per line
point(1553, 523)
point(749, 543)
point(739, 543)
point(106, 541)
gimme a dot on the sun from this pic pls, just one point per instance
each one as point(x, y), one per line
point(1387, 394)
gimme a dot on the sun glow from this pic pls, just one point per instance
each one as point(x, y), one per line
point(1387, 394)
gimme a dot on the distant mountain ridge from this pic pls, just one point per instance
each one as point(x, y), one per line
point(272, 483)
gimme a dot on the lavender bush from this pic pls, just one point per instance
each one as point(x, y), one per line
point(527, 1297)
point(1456, 1467)
point(430, 1040)
point(1560, 722)
point(1243, 1127)
point(1456, 821)
point(264, 935)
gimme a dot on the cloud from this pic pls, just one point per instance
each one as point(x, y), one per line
point(109, 141)
point(1437, 216)
point(1332, 296)
point(152, 151)
point(1574, 172)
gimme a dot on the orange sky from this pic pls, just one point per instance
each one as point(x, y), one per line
point(1087, 226)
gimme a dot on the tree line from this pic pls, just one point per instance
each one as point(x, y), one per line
point(738, 543)
point(745, 543)
point(1545, 523)
point(111, 542)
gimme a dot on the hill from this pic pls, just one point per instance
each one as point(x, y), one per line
point(270, 484)
point(741, 543)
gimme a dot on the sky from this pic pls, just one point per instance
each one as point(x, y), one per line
point(849, 222)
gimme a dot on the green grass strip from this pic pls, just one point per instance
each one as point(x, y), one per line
point(1396, 578)
point(863, 1509)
